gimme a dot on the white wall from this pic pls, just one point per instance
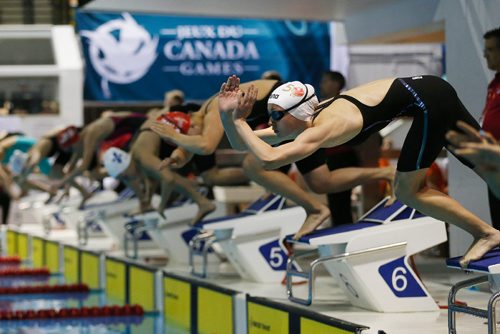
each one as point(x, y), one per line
point(374, 62)
point(67, 73)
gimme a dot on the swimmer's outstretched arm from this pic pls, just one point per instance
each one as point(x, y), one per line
point(274, 157)
point(205, 143)
point(232, 100)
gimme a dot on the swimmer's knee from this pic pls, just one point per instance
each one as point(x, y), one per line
point(317, 186)
point(406, 188)
point(250, 164)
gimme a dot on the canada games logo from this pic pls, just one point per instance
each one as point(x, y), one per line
point(121, 51)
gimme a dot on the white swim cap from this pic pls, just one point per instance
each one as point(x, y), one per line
point(110, 183)
point(296, 98)
point(17, 161)
point(116, 161)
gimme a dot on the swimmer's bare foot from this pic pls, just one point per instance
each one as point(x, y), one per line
point(84, 200)
point(313, 220)
point(51, 197)
point(139, 211)
point(60, 198)
point(52, 194)
point(480, 247)
point(390, 201)
point(204, 209)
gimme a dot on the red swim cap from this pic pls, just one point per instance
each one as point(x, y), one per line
point(179, 120)
point(68, 137)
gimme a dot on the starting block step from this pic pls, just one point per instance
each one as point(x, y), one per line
point(489, 264)
point(369, 259)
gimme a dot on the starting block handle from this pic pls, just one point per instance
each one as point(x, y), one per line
point(130, 236)
point(134, 234)
point(205, 241)
point(310, 273)
point(47, 228)
point(82, 232)
point(84, 224)
point(454, 308)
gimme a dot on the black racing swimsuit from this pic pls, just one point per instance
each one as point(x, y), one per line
point(63, 156)
point(202, 163)
point(435, 108)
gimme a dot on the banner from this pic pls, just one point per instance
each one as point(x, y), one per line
point(138, 57)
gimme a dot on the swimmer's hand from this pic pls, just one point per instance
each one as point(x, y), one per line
point(479, 147)
point(177, 159)
point(164, 130)
point(229, 95)
point(245, 103)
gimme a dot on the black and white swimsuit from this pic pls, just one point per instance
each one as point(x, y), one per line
point(435, 107)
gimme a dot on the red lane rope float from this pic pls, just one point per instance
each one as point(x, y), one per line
point(66, 313)
point(10, 260)
point(9, 272)
point(64, 288)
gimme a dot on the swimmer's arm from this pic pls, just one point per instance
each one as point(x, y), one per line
point(109, 113)
point(231, 133)
point(269, 136)
point(71, 164)
point(5, 179)
point(203, 144)
point(34, 157)
point(180, 157)
point(274, 157)
point(89, 145)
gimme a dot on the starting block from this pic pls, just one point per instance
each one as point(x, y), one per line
point(32, 209)
point(488, 265)
point(151, 231)
point(107, 204)
point(67, 216)
point(251, 240)
point(172, 234)
point(369, 259)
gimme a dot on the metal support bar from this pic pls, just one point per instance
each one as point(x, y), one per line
point(133, 234)
point(46, 225)
point(310, 273)
point(453, 308)
point(82, 232)
point(85, 224)
point(200, 245)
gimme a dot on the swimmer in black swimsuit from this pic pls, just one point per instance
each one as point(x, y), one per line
point(113, 126)
point(140, 167)
point(296, 114)
point(314, 168)
point(55, 144)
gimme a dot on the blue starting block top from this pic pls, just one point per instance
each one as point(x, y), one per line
point(489, 263)
point(379, 214)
